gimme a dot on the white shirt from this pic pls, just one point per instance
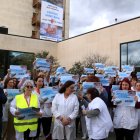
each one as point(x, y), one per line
point(99, 126)
point(125, 117)
point(67, 107)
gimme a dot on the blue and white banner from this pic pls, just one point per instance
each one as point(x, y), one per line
point(18, 71)
point(124, 97)
point(65, 78)
point(42, 64)
point(48, 93)
point(115, 87)
point(99, 65)
point(28, 113)
point(105, 82)
point(87, 85)
point(123, 75)
point(127, 68)
point(12, 93)
point(89, 70)
point(51, 21)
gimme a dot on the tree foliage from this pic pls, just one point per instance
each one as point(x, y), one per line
point(77, 69)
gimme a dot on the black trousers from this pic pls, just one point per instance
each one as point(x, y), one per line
point(26, 135)
point(0, 127)
point(98, 139)
point(46, 124)
point(122, 134)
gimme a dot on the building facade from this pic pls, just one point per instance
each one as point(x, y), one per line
point(120, 42)
point(22, 17)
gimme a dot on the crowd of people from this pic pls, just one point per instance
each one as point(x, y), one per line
point(92, 113)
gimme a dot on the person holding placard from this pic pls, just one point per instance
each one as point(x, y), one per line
point(65, 107)
point(46, 119)
point(137, 105)
point(125, 117)
point(8, 127)
point(25, 129)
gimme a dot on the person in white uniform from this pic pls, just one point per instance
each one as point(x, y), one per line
point(137, 131)
point(98, 119)
point(125, 118)
point(65, 107)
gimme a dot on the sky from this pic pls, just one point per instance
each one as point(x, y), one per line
point(88, 15)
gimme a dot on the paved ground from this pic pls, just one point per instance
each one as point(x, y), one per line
point(111, 137)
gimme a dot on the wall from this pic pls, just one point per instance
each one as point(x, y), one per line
point(105, 42)
point(16, 15)
point(17, 43)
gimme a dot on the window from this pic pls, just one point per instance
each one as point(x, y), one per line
point(130, 52)
point(14, 58)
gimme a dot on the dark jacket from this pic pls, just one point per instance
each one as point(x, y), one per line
point(3, 100)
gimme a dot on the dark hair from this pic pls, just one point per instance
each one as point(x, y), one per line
point(92, 78)
point(133, 74)
point(134, 78)
point(6, 82)
point(38, 78)
point(93, 92)
point(15, 84)
point(127, 81)
point(66, 85)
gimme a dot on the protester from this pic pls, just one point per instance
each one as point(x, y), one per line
point(125, 117)
point(65, 108)
point(102, 91)
point(46, 119)
point(3, 100)
point(137, 131)
point(25, 129)
point(98, 119)
point(8, 126)
point(133, 83)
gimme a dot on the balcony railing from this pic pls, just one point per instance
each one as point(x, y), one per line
point(36, 3)
point(36, 19)
point(35, 34)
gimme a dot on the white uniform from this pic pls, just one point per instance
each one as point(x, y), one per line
point(67, 107)
point(99, 126)
point(125, 117)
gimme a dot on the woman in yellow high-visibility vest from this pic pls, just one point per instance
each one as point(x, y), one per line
point(25, 128)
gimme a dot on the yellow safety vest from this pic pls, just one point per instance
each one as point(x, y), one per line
point(23, 125)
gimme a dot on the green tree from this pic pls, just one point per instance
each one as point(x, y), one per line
point(77, 69)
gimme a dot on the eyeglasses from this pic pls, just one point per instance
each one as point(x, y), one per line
point(29, 86)
point(72, 87)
